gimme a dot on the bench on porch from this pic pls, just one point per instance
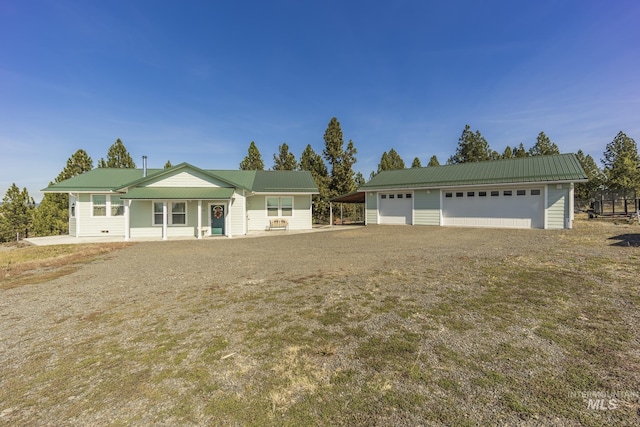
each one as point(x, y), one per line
point(278, 224)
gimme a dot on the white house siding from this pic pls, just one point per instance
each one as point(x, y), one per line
point(185, 179)
point(91, 226)
point(237, 211)
point(371, 216)
point(426, 205)
point(141, 217)
point(557, 205)
point(72, 227)
point(257, 212)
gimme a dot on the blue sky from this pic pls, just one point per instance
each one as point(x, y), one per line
point(198, 81)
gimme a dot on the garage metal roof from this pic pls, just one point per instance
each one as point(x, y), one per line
point(555, 168)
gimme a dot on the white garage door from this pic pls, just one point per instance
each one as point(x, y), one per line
point(506, 207)
point(395, 208)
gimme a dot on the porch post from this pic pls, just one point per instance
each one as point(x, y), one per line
point(571, 207)
point(127, 220)
point(78, 215)
point(199, 219)
point(227, 220)
point(330, 215)
point(164, 220)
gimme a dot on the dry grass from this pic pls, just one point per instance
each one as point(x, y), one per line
point(37, 264)
point(379, 326)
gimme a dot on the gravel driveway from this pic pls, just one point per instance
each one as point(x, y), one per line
point(68, 336)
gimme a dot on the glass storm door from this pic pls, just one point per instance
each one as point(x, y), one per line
point(217, 219)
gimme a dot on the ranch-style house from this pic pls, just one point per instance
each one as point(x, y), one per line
point(185, 201)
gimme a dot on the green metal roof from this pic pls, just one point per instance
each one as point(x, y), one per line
point(556, 168)
point(178, 193)
point(284, 181)
point(100, 179)
point(240, 177)
point(106, 179)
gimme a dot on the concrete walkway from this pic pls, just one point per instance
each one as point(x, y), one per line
point(69, 240)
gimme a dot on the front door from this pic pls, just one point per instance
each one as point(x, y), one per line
point(217, 219)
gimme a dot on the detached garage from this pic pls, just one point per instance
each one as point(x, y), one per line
point(530, 192)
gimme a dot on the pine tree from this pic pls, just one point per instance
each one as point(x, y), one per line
point(253, 160)
point(340, 160)
point(507, 154)
point(390, 161)
point(168, 164)
point(285, 160)
point(416, 163)
point(312, 162)
point(117, 157)
point(520, 151)
point(49, 219)
point(16, 214)
point(543, 146)
point(621, 163)
point(433, 161)
point(587, 190)
point(52, 215)
point(472, 147)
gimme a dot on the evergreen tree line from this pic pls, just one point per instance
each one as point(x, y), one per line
point(332, 171)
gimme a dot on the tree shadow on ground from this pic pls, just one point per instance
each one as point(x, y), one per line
point(626, 240)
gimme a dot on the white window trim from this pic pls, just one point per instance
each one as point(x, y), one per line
point(266, 206)
point(107, 204)
point(169, 213)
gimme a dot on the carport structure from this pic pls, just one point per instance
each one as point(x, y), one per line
point(355, 198)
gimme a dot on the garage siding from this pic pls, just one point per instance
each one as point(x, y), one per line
point(557, 206)
point(372, 208)
point(426, 204)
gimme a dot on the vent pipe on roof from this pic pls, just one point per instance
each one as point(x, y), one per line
point(144, 166)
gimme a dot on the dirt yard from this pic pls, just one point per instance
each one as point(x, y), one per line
point(380, 325)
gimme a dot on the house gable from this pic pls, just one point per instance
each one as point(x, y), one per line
point(186, 178)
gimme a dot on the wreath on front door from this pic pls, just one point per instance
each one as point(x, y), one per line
point(217, 212)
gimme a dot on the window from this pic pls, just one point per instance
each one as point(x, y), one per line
point(383, 196)
point(482, 194)
point(391, 196)
point(507, 193)
point(157, 213)
point(448, 195)
point(400, 196)
point(279, 206)
point(535, 192)
point(117, 206)
point(99, 204)
point(471, 193)
point(287, 206)
point(408, 195)
point(495, 193)
point(459, 194)
point(272, 206)
point(179, 213)
point(521, 192)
